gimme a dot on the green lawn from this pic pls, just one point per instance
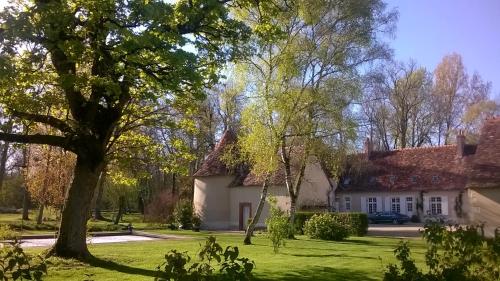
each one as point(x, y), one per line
point(359, 258)
point(50, 223)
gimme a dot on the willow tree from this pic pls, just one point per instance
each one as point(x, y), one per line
point(304, 75)
point(94, 63)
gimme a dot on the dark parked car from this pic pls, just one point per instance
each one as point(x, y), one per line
point(395, 218)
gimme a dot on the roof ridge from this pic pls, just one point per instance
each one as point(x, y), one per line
point(418, 148)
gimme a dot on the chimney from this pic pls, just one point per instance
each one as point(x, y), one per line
point(460, 144)
point(368, 148)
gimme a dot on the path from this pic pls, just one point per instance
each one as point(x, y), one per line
point(406, 230)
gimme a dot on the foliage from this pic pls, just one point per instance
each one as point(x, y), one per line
point(49, 174)
point(229, 266)
point(7, 233)
point(161, 208)
point(15, 264)
point(326, 227)
point(183, 213)
point(453, 253)
point(278, 225)
point(357, 222)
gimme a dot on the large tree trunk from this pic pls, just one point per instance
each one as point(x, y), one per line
point(256, 217)
point(98, 197)
point(121, 209)
point(71, 240)
point(39, 218)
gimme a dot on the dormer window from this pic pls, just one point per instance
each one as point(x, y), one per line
point(435, 179)
point(413, 179)
point(392, 179)
point(347, 181)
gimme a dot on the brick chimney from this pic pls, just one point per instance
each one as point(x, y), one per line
point(460, 144)
point(368, 148)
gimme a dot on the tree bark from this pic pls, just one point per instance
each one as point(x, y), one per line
point(98, 197)
point(256, 217)
point(26, 203)
point(121, 207)
point(72, 237)
point(39, 218)
point(3, 163)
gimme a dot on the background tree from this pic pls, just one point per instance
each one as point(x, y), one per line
point(96, 62)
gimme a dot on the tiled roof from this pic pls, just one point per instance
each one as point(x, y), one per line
point(213, 165)
point(485, 169)
point(427, 168)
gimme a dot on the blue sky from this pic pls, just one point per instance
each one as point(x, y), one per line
point(427, 30)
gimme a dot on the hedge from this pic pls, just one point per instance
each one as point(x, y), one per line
point(357, 222)
point(326, 227)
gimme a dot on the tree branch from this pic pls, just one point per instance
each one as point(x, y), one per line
point(45, 119)
point(36, 139)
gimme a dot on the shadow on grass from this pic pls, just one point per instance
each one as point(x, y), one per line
point(320, 273)
point(111, 265)
point(329, 255)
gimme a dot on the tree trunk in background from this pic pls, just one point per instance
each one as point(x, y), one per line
point(98, 197)
point(256, 217)
point(72, 237)
point(26, 203)
point(3, 163)
point(121, 208)
point(39, 218)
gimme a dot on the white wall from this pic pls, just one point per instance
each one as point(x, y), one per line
point(211, 201)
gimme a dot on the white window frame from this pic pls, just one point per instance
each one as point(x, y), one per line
point(371, 205)
point(395, 205)
point(409, 204)
point(347, 203)
point(436, 205)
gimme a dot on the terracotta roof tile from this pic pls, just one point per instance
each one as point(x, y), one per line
point(485, 169)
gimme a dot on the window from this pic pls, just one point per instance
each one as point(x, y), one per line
point(372, 205)
point(436, 207)
point(347, 203)
point(409, 204)
point(435, 179)
point(413, 179)
point(392, 179)
point(395, 205)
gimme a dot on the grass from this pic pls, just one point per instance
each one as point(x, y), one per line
point(50, 223)
point(358, 258)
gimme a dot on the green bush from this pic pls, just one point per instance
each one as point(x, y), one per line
point(229, 265)
point(326, 227)
point(278, 225)
point(454, 253)
point(183, 214)
point(7, 233)
point(357, 222)
point(15, 264)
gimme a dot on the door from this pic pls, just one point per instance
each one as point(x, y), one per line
point(245, 214)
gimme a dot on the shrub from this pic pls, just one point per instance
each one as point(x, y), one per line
point(17, 265)
point(229, 265)
point(7, 233)
point(357, 222)
point(196, 222)
point(454, 253)
point(326, 227)
point(278, 225)
point(183, 214)
point(161, 208)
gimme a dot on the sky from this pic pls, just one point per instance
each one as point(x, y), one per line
point(427, 30)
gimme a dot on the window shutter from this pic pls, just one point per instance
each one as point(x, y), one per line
point(444, 205)
point(426, 205)
point(387, 205)
point(363, 204)
point(379, 204)
point(402, 205)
